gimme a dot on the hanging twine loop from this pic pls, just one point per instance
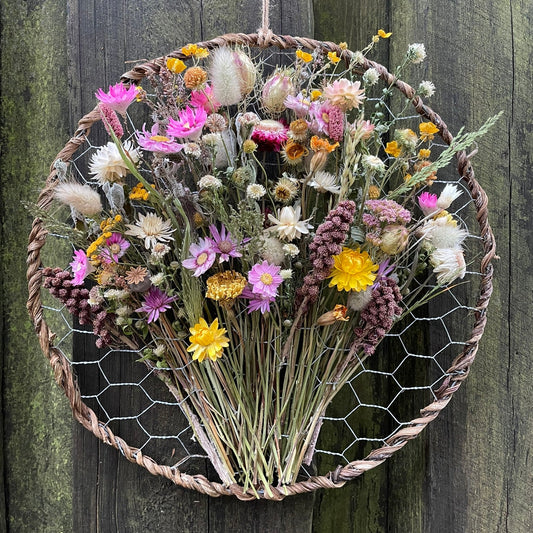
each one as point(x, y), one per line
point(264, 33)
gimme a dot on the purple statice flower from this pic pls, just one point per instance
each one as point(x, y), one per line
point(385, 212)
point(222, 243)
point(189, 124)
point(205, 99)
point(115, 247)
point(298, 104)
point(110, 120)
point(203, 257)
point(81, 267)
point(265, 279)
point(118, 98)
point(155, 302)
point(154, 142)
point(428, 203)
point(257, 302)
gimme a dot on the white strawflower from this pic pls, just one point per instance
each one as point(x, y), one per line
point(371, 76)
point(426, 89)
point(448, 195)
point(209, 182)
point(152, 229)
point(325, 182)
point(416, 53)
point(211, 139)
point(157, 279)
point(81, 198)
point(107, 165)
point(116, 294)
point(448, 264)
point(124, 311)
point(288, 224)
point(374, 163)
point(273, 251)
point(225, 76)
point(291, 249)
point(443, 232)
point(192, 149)
point(255, 191)
point(286, 273)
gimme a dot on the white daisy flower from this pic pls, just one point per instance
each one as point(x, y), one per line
point(107, 165)
point(288, 224)
point(152, 229)
point(325, 182)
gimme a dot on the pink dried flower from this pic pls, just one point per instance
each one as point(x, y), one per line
point(118, 98)
point(299, 104)
point(81, 267)
point(115, 247)
point(257, 302)
point(428, 203)
point(344, 94)
point(155, 303)
point(222, 243)
point(110, 120)
point(265, 279)
point(275, 91)
point(203, 257)
point(189, 124)
point(328, 119)
point(269, 135)
point(154, 142)
point(385, 212)
point(205, 99)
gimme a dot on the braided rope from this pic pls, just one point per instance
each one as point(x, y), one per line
point(456, 374)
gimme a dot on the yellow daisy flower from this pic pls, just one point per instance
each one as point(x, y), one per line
point(207, 340)
point(353, 271)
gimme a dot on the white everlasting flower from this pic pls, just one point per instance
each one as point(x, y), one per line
point(273, 251)
point(416, 53)
point(124, 311)
point(325, 182)
point(426, 89)
point(291, 249)
point(152, 229)
point(443, 232)
point(107, 165)
point(81, 198)
point(448, 264)
point(157, 279)
point(255, 191)
point(448, 195)
point(192, 149)
point(286, 273)
point(288, 224)
point(116, 294)
point(371, 76)
point(159, 251)
point(209, 182)
point(374, 163)
point(358, 57)
point(212, 139)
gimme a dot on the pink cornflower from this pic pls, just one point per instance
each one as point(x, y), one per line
point(115, 247)
point(257, 302)
point(189, 124)
point(205, 99)
point(269, 135)
point(81, 267)
point(118, 98)
point(265, 279)
point(223, 244)
point(155, 303)
point(203, 257)
point(154, 142)
point(110, 120)
point(428, 203)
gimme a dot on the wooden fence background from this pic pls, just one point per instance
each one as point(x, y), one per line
point(471, 470)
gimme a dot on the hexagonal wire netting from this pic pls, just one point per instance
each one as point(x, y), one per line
point(385, 395)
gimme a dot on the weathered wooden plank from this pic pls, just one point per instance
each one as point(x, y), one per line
point(33, 123)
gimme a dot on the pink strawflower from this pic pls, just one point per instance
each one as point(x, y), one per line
point(269, 135)
point(298, 104)
point(81, 267)
point(189, 124)
point(155, 303)
point(110, 120)
point(265, 279)
point(203, 257)
point(205, 99)
point(118, 98)
point(257, 302)
point(428, 203)
point(154, 142)
point(344, 94)
point(223, 244)
point(115, 247)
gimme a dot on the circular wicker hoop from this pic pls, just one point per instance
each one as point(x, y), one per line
point(455, 374)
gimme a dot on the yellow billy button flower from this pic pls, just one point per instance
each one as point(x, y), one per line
point(304, 56)
point(175, 65)
point(353, 270)
point(207, 340)
point(393, 149)
point(333, 57)
point(427, 131)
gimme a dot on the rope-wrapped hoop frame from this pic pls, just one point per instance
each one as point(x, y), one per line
point(455, 375)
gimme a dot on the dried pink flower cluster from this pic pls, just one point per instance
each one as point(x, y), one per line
point(382, 214)
point(379, 315)
point(60, 284)
point(328, 241)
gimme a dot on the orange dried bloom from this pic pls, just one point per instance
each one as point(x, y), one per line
point(427, 131)
point(393, 149)
point(195, 78)
point(322, 145)
point(293, 151)
point(175, 65)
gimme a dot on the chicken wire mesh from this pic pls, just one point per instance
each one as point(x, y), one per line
point(384, 396)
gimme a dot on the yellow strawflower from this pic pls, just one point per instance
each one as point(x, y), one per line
point(353, 270)
point(207, 340)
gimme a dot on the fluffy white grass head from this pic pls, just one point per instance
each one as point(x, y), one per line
point(81, 198)
point(225, 77)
